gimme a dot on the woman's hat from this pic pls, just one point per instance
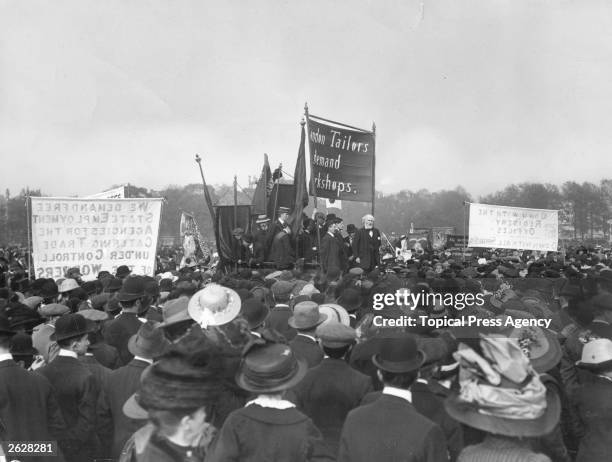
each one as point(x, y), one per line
point(214, 305)
point(596, 355)
point(500, 391)
point(306, 316)
point(270, 368)
point(71, 326)
point(399, 354)
point(540, 345)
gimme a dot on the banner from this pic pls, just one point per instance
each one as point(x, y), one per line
point(225, 224)
point(456, 240)
point(439, 236)
point(94, 235)
point(115, 193)
point(341, 160)
point(513, 228)
point(191, 238)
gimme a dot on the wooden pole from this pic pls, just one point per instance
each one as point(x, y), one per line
point(29, 234)
point(235, 201)
point(373, 168)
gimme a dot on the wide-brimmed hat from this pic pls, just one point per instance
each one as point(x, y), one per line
point(149, 342)
point(214, 305)
point(132, 289)
point(306, 315)
point(596, 355)
point(254, 311)
point(500, 391)
point(399, 354)
point(270, 368)
point(5, 326)
point(540, 345)
point(71, 326)
point(335, 312)
point(67, 285)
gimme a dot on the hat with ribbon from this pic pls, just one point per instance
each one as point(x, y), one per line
point(214, 305)
point(254, 311)
point(133, 288)
point(262, 219)
point(596, 355)
point(149, 342)
point(540, 345)
point(500, 392)
point(306, 316)
point(399, 353)
point(270, 368)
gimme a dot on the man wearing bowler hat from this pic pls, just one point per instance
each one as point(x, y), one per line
point(28, 407)
point(146, 345)
point(306, 317)
point(75, 386)
point(390, 428)
point(118, 331)
point(331, 389)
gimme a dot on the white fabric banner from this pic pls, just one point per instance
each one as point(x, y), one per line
point(116, 193)
point(94, 235)
point(502, 227)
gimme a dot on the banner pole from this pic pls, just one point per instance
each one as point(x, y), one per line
point(465, 206)
point(28, 220)
point(373, 168)
point(312, 188)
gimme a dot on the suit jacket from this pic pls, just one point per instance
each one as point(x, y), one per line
point(594, 403)
point(332, 253)
point(118, 331)
point(28, 407)
point(281, 251)
point(429, 404)
point(367, 248)
point(260, 245)
point(390, 429)
point(277, 320)
point(306, 348)
point(77, 391)
point(116, 427)
point(256, 434)
point(327, 393)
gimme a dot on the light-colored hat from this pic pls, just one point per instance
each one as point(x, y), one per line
point(33, 302)
point(596, 355)
point(262, 219)
point(67, 285)
point(334, 334)
point(335, 312)
point(94, 315)
point(214, 305)
point(306, 316)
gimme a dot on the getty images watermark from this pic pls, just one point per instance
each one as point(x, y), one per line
point(439, 306)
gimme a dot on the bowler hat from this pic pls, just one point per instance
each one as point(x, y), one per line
point(306, 315)
point(122, 271)
point(112, 284)
point(270, 368)
point(350, 299)
point(175, 311)
point(21, 344)
point(399, 354)
point(132, 289)
point(149, 342)
point(98, 302)
point(254, 311)
point(70, 326)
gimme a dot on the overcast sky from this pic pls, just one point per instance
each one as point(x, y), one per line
point(463, 92)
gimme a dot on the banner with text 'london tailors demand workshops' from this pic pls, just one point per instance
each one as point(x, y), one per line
point(94, 235)
point(342, 161)
point(513, 228)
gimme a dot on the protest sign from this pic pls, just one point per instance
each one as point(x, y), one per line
point(342, 161)
point(115, 193)
point(94, 235)
point(513, 228)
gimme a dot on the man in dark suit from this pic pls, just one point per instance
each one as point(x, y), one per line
point(28, 407)
point(282, 252)
point(305, 319)
point(390, 428)
point(332, 249)
point(348, 241)
point(75, 387)
point(366, 245)
point(118, 331)
point(330, 390)
point(116, 427)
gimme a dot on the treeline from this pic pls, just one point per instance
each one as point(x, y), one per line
point(585, 208)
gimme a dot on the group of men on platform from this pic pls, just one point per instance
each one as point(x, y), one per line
point(319, 240)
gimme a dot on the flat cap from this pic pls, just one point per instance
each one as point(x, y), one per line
point(53, 309)
point(334, 334)
point(280, 288)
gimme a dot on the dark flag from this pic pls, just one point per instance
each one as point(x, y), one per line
point(262, 190)
point(299, 182)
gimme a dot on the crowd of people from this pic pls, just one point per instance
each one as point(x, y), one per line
point(289, 364)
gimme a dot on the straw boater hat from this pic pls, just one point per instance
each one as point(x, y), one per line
point(214, 305)
point(335, 312)
point(500, 391)
point(262, 219)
